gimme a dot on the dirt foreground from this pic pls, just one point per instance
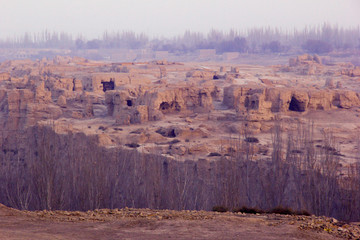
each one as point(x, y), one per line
point(167, 224)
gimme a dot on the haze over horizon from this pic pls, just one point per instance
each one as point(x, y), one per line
point(157, 18)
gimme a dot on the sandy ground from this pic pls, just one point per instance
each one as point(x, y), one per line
point(151, 224)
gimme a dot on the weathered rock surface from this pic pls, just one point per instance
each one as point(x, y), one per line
point(143, 105)
point(23, 107)
point(283, 100)
point(200, 74)
point(306, 64)
point(352, 72)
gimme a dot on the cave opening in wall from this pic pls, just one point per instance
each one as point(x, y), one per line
point(296, 106)
point(164, 107)
point(108, 85)
point(172, 133)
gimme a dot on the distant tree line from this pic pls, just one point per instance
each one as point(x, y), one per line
point(315, 39)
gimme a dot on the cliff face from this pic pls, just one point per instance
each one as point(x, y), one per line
point(21, 108)
point(284, 100)
point(142, 105)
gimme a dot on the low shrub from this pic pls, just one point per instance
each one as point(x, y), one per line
point(102, 128)
point(132, 145)
point(277, 210)
point(137, 131)
point(288, 211)
point(244, 209)
point(303, 212)
point(220, 209)
point(174, 141)
point(214, 154)
point(251, 140)
point(282, 210)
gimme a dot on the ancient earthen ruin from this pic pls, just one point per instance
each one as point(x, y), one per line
point(177, 135)
point(156, 102)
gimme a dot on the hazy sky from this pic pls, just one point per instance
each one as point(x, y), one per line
point(169, 17)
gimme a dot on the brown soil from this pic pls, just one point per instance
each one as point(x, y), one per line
point(166, 224)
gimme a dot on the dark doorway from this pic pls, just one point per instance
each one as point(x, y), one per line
point(296, 105)
point(108, 85)
point(164, 106)
point(171, 133)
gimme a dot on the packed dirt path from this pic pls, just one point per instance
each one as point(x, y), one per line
point(166, 224)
